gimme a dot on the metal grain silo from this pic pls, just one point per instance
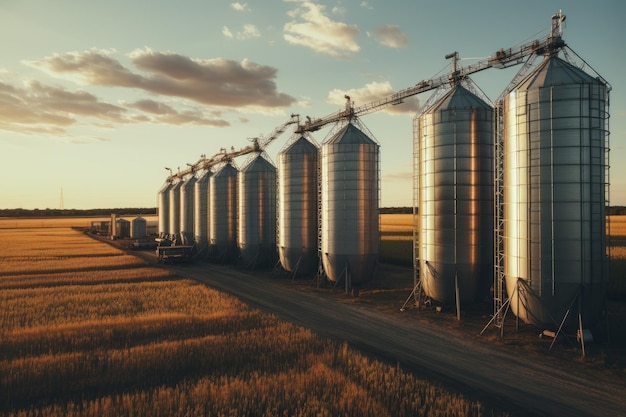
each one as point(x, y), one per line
point(201, 212)
point(187, 193)
point(256, 235)
point(554, 195)
point(174, 224)
point(163, 204)
point(297, 206)
point(454, 169)
point(349, 206)
point(138, 228)
point(223, 214)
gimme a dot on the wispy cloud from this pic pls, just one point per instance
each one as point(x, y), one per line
point(312, 28)
point(240, 7)
point(162, 113)
point(389, 35)
point(247, 32)
point(371, 92)
point(207, 87)
point(214, 82)
point(39, 108)
point(227, 33)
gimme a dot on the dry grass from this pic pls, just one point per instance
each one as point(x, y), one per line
point(82, 334)
point(396, 247)
point(398, 223)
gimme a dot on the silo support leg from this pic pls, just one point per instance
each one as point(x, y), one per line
point(457, 297)
point(569, 308)
point(499, 316)
point(415, 294)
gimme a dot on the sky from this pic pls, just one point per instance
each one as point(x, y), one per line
point(98, 97)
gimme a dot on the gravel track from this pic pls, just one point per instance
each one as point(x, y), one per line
point(474, 366)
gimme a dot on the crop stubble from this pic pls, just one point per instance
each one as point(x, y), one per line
point(89, 331)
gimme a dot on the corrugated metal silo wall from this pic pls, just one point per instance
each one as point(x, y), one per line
point(257, 213)
point(297, 206)
point(223, 213)
point(554, 195)
point(187, 195)
point(175, 208)
point(454, 143)
point(138, 228)
point(201, 211)
point(163, 204)
point(349, 206)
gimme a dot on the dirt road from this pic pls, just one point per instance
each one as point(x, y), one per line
point(473, 366)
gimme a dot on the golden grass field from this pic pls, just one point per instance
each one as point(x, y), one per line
point(86, 330)
point(397, 246)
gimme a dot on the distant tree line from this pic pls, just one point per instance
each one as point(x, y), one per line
point(19, 212)
point(396, 210)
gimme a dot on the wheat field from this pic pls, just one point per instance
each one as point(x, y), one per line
point(86, 330)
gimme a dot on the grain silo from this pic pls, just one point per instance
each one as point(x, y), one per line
point(256, 236)
point(349, 206)
point(122, 228)
point(298, 199)
point(201, 212)
point(138, 228)
point(174, 224)
point(555, 163)
point(163, 205)
point(223, 214)
point(187, 194)
point(454, 174)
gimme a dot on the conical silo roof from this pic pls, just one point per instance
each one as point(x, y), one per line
point(350, 134)
point(259, 164)
point(227, 170)
point(555, 71)
point(301, 146)
point(458, 98)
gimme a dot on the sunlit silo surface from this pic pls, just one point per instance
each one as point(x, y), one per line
point(554, 194)
point(297, 206)
point(256, 236)
point(454, 169)
point(187, 193)
point(201, 211)
point(223, 213)
point(175, 208)
point(349, 205)
point(163, 204)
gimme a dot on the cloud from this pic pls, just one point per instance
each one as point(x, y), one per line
point(38, 108)
point(312, 28)
point(249, 31)
point(226, 32)
point(389, 35)
point(366, 5)
point(162, 113)
point(240, 7)
point(214, 82)
point(372, 92)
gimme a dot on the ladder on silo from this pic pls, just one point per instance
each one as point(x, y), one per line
point(499, 291)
